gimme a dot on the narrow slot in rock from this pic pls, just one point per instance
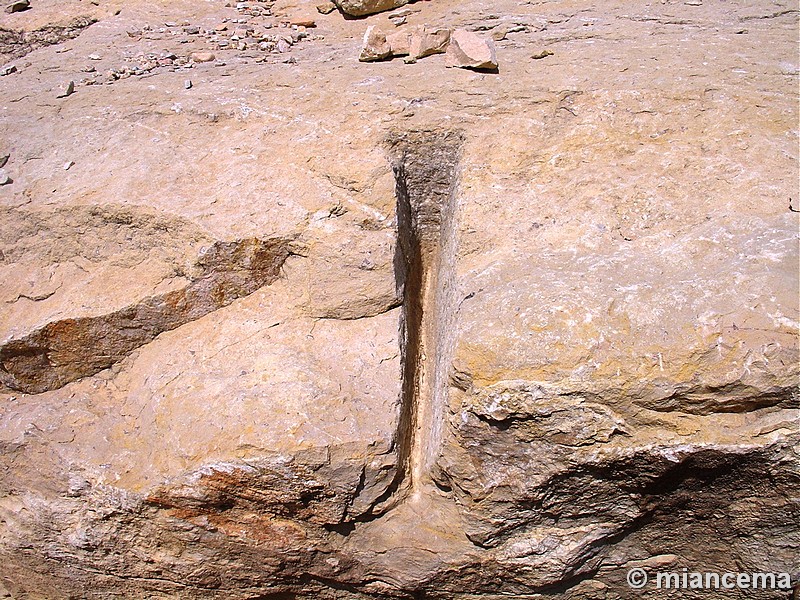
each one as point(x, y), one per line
point(67, 350)
point(425, 166)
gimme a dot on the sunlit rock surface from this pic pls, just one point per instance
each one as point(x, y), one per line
point(316, 328)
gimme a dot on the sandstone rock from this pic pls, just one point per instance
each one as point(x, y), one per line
point(375, 46)
point(360, 8)
point(326, 8)
point(470, 51)
point(202, 57)
point(349, 332)
point(399, 43)
point(303, 21)
point(4, 159)
point(18, 6)
point(417, 42)
point(542, 54)
point(4, 178)
point(66, 90)
point(499, 34)
point(427, 41)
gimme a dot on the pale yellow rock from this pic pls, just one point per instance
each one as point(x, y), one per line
point(345, 331)
point(400, 42)
point(202, 57)
point(470, 51)
point(374, 46)
point(360, 8)
point(426, 41)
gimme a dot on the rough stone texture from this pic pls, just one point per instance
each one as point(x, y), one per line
point(360, 8)
point(429, 40)
point(418, 42)
point(328, 329)
point(375, 46)
point(470, 51)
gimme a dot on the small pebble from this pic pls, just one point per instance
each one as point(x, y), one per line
point(94, 57)
point(8, 70)
point(187, 84)
point(4, 160)
point(4, 179)
point(68, 165)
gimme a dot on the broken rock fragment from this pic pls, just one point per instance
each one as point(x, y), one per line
point(428, 41)
point(360, 8)
point(66, 90)
point(375, 46)
point(469, 51)
point(18, 6)
point(418, 43)
point(399, 43)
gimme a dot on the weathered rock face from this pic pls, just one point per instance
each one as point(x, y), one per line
point(469, 51)
point(360, 8)
point(465, 335)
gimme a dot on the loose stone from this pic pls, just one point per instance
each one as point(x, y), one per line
point(66, 90)
point(469, 51)
point(202, 57)
point(18, 6)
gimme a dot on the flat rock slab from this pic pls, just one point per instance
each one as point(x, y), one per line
point(614, 375)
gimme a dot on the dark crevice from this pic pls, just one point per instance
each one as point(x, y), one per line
point(425, 168)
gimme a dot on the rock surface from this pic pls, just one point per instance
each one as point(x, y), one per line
point(376, 46)
point(470, 51)
point(416, 42)
point(428, 41)
point(360, 8)
point(330, 329)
